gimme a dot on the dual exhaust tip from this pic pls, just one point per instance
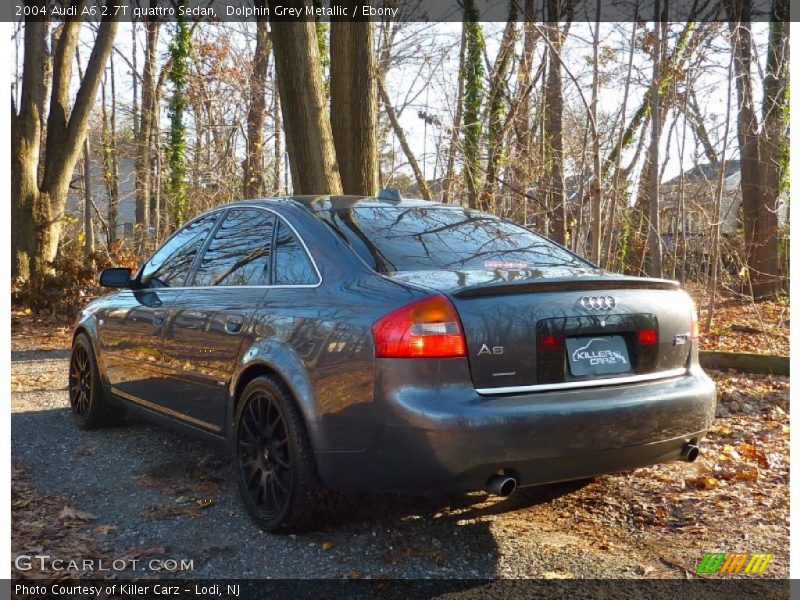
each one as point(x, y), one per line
point(505, 485)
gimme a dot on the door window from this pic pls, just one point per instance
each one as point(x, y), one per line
point(171, 264)
point(240, 253)
point(292, 263)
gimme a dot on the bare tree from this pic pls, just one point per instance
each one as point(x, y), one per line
point(312, 155)
point(654, 225)
point(254, 161)
point(554, 103)
point(763, 150)
point(39, 192)
point(354, 110)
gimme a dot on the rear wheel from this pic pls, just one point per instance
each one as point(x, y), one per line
point(89, 404)
point(277, 477)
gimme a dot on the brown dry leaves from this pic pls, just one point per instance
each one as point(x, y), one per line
point(30, 331)
point(191, 488)
point(49, 525)
point(746, 326)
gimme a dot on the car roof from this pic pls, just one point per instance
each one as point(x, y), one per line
point(317, 203)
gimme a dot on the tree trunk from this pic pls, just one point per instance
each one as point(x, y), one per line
point(354, 111)
point(145, 139)
point(278, 131)
point(615, 201)
point(496, 109)
point(254, 162)
point(521, 166)
point(554, 109)
point(760, 224)
point(309, 141)
point(39, 206)
point(449, 174)
point(597, 189)
point(88, 228)
point(26, 127)
point(473, 100)
point(135, 77)
point(654, 224)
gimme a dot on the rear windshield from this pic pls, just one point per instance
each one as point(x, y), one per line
point(418, 238)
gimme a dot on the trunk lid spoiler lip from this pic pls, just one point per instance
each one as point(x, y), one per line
point(560, 284)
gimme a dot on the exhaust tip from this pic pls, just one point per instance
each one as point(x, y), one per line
point(501, 485)
point(690, 452)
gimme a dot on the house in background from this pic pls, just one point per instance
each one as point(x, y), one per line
point(699, 190)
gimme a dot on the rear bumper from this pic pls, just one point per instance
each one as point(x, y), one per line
point(450, 437)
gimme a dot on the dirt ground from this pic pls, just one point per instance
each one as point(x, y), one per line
point(142, 491)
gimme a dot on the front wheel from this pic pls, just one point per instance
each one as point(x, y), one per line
point(88, 401)
point(277, 477)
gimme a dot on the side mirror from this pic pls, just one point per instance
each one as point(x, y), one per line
point(115, 277)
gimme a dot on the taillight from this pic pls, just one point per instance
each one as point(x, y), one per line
point(648, 337)
point(551, 343)
point(427, 328)
point(695, 323)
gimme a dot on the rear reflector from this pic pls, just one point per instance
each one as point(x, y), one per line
point(427, 328)
point(648, 337)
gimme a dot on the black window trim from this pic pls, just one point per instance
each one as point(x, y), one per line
point(201, 253)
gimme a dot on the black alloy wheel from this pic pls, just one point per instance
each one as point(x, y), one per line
point(277, 476)
point(88, 401)
point(80, 382)
point(264, 454)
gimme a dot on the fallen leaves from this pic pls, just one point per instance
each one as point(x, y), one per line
point(70, 512)
point(741, 325)
point(48, 525)
point(39, 332)
point(192, 487)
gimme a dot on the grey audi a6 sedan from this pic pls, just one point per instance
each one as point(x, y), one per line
point(386, 343)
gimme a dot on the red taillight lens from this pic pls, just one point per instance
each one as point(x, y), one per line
point(551, 343)
point(427, 328)
point(648, 337)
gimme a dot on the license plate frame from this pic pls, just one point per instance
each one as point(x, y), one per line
point(598, 356)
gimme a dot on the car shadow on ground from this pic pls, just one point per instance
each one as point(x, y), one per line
point(162, 488)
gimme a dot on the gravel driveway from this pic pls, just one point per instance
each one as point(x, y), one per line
point(150, 488)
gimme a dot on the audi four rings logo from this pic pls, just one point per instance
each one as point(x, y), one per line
point(598, 302)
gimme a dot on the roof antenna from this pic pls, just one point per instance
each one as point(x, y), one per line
point(390, 194)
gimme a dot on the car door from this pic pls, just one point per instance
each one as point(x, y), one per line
point(130, 329)
point(208, 322)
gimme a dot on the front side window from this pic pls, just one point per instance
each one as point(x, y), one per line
point(240, 253)
point(292, 264)
point(171, 264)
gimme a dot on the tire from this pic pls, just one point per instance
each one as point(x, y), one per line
point(275, 468)
point(88, 401)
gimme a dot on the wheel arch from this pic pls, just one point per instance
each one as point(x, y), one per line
point(275, 359)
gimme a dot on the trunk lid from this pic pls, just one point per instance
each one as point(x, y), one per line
point(564, 324)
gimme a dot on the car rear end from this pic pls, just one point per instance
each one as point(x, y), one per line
point(512, 373)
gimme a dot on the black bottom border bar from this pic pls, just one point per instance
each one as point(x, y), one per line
point(401, 589)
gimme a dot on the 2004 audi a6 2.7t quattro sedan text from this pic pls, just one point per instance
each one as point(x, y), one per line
point(386, 343)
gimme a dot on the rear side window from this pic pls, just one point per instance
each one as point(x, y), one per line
point(170, 265)
point(240, 252)
point(292, 263)
point(420, 238)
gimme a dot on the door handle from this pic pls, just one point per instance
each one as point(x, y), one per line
point(233, 324)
